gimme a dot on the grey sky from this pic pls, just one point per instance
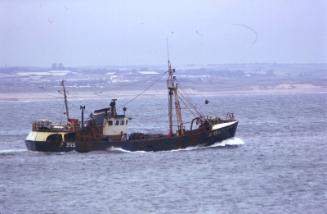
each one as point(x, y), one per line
point(104, 32)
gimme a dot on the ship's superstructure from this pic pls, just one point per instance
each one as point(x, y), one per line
point(114, 126)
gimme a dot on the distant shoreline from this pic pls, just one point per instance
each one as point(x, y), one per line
point(94, 95)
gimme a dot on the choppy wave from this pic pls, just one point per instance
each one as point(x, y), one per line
point(226, 143)
point(115, 149)
point(12, 151)
point(236, 141)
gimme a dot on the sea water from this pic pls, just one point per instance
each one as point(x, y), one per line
point(277, 163)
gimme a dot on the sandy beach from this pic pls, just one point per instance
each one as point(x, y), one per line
point(95, 95)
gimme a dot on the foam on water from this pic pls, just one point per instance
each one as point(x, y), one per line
point(115, 149)
point(235, 141)
point(12, 151)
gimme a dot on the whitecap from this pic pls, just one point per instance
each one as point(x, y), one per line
point(11, 151)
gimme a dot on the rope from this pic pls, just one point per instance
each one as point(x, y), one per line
point(147, 88)
point(187, 107)
point(189, 103)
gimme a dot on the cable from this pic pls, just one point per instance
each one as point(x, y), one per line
point(189, 103)
point(147, 88)
point(190, 109)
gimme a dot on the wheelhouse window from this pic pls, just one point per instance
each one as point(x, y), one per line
point(117, 123)
point(122, 122)
point(110, 122)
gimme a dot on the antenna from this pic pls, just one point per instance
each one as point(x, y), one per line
point(167, 46)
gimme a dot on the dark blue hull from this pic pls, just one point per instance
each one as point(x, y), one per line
point(200, 137)
point(44, 146)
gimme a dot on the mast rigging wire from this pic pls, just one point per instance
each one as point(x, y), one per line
point(192, 106)
point(147, 88)
point(187, 106)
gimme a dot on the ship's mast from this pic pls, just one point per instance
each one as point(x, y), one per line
point(65, 98)
point(172, 94)
point(170, 98)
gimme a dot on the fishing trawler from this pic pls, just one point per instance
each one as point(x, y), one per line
point(47, 136)
point(106, 129)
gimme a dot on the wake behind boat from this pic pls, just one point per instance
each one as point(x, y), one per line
point(105, 128)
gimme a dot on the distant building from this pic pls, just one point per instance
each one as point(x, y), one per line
point(57, 66)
